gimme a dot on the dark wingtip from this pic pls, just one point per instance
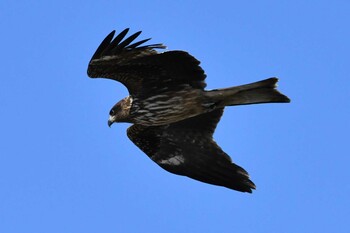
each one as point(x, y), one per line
point(125, 43)
point(246, 185)
point(250, 186)
point(104, 44)
point(110, 46)
point(286, 99)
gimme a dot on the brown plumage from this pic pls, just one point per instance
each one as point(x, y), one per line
point(173, 117)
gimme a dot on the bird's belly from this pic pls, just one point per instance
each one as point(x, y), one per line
point(166, 109)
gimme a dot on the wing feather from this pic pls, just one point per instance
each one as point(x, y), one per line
point(108, 50)
point(125, 43)
point(187, 148)
point(102, 47)
point(134, 45)
point(141, 68)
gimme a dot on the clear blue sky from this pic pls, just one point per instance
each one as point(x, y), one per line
point(63, 170)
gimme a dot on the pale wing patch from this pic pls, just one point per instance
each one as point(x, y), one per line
point(176, 160)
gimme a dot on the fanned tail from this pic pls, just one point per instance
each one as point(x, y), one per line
point(254, 93)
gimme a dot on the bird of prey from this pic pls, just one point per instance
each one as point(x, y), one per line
point(173, 117)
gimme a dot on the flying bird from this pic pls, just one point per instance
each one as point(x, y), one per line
point(173, 117)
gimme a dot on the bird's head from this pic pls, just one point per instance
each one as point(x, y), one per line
point(120, 111)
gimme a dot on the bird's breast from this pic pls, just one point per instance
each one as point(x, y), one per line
point(166, 108)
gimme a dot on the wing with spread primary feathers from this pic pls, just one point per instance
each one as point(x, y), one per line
point(141, 68)
point(187, 148)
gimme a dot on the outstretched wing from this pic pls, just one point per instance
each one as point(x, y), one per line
point(141, 68)
point(187, 148)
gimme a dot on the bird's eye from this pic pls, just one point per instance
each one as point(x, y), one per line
point(111, 112)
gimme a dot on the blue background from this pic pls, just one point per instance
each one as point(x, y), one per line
point(63, 170)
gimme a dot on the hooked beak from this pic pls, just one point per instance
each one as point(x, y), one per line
point(110, 123)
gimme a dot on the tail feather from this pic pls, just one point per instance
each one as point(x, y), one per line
point(254, 93)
